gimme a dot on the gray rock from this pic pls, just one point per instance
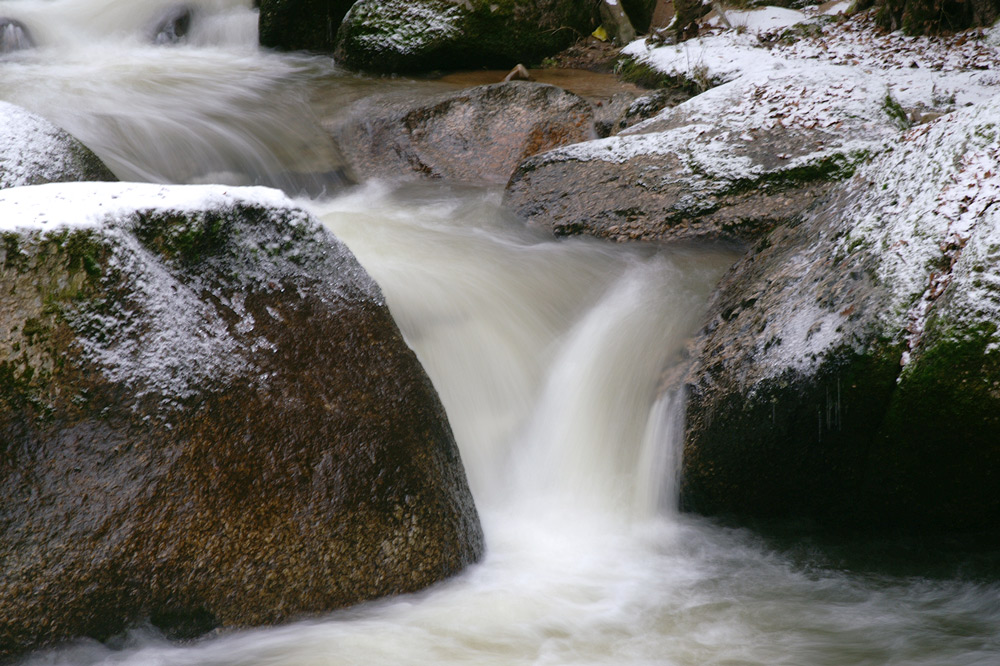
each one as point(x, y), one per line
point(424, 35)
point(616, 22)
point(850, 370)
point(731, 163)
point(208, 418)
point(34, 151)
point(474, 135)
point(173, 26)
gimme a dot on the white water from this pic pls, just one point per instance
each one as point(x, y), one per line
point(547, 356)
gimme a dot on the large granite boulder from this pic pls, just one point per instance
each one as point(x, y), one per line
point(423, 35)
point(301, 25)
point(731, 163)
point(851, 368)
point(207, 418)
point(34, 151)
point(476, 135)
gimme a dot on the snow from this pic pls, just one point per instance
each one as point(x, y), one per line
point(32, 148)
point(726, 134)
point(762, 19)
point(181, 331)
point(935, 193)
point(89, 204)
point(925, 73)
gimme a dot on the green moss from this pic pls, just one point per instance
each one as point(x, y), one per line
point(641, 74)
point(896, 112)
point(188, 239)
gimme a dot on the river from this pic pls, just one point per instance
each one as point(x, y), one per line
point(547, 356)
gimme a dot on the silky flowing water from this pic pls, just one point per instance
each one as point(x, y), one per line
point(548, 356)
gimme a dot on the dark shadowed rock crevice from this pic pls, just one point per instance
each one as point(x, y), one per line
point(209, 418)
point(301, 25)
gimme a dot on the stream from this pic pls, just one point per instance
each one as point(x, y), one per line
point(548, 357)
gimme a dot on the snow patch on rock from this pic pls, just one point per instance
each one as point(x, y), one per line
point(927, 199)
point(178, 329)
point(33, 150)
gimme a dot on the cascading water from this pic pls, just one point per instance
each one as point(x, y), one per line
point(548, 357)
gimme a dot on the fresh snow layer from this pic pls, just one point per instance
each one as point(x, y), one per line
point(167, 340)
point(814, 112)
point(929, 73)
point(936, 192)
point(87, 204)
point(32, 148)
point(762, 19)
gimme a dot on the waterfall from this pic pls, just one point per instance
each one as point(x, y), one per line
point(548, 356)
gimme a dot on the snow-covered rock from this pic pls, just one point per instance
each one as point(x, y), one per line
point(34, 151)
point(729, 163)
point(793, 101)
point(200, 387)
point(851, 367)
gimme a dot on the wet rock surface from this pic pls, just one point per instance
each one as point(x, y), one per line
point(424, 35)
point(207, 418)
point(849, 369)
point(730, 164)
point(475, 135)
point(34, 151)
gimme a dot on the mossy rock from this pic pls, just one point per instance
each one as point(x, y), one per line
point(850, 372)
point(723, 165)
point(208, 418)
point(424, 35)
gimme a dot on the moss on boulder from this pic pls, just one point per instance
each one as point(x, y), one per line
point(423, 35)
point(207, 418)
point(851, 369)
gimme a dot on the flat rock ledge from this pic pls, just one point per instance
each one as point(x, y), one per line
point(208, 418)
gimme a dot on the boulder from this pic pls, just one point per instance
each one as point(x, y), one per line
point(34, 151)
point(424, 35)
point(207, 418)
point(849, 372)
point(173, 25)
point(731, 163)
point(616, 22)
point(301, 25)
point(474, 135)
